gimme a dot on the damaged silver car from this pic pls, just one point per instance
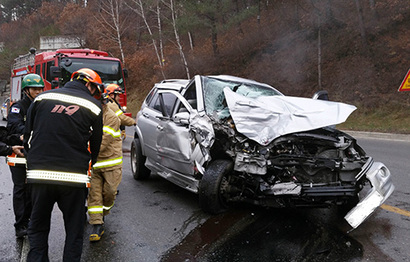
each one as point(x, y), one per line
point(234, 140)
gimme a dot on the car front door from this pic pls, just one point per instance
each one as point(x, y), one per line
point(149, 123)
point(174, 140)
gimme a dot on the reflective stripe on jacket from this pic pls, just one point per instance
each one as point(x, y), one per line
point(119, 112)
point(98, 209)
point(13, 160)
point(111, 131)
point(125, 120)
point(64, 177)
point(108, 163)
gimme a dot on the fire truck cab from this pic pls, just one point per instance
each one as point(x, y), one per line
point(56, 68)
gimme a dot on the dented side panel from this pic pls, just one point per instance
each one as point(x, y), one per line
point(174, 147)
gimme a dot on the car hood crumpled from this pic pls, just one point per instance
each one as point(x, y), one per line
point(263, 119)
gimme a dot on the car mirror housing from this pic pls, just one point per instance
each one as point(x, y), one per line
point(182, 118)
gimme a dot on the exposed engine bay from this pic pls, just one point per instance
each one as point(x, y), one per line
point(320, 165)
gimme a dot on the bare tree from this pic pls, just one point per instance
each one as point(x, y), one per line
point(171, 6)
point(319, 53)
point(319, 44)
point(159, 22)
point(191, 40)
point(372, 4)
point(112, 23)
point(140, 10)
point(361, 24)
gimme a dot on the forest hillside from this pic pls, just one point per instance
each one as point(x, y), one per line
point(357, 50)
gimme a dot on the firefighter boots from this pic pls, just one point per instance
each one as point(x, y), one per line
point(97, 232)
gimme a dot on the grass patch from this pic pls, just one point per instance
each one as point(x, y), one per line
point(385, 120)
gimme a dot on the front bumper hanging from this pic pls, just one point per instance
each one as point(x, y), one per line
point(382, 187)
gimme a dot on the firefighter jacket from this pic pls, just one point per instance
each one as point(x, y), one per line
point(125, 120)
point(16, 121)
point(110, 155)
point(16, 118)
point(63, 133)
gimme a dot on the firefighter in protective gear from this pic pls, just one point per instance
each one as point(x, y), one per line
point(112, 92)
point(62, 138)
point(32, 85)
point(107, 173)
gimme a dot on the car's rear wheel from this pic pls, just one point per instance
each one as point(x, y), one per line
point(138, 168)
point(213, 185)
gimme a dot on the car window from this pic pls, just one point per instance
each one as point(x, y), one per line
point(190, 96)
point(150, 96)
point(152, 101)
point(214, 97)
point(169, 101)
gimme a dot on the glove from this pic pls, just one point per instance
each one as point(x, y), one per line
point(123, 135)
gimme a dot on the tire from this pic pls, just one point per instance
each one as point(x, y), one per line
point(211, 198)
point(138, 168)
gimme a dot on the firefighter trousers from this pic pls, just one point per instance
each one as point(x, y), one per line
point(21, 196)
point(71, 201)
point(102, 194)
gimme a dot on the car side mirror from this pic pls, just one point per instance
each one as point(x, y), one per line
point(321, 95)
point(182, 118)
point(125, 71)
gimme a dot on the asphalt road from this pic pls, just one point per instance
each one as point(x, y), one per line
point(155, 220)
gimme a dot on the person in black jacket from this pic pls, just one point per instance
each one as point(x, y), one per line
point(62, 139)
point(32, 85)
point(6, 149)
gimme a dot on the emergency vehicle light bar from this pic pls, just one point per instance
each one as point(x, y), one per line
point(83, 51)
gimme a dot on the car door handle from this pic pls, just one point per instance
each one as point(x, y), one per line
point(160, 128)
point(145, 115)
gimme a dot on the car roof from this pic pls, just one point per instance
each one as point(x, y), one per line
point(178, 84)
point(173, 84)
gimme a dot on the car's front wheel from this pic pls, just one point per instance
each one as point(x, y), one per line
point(212, 188)
point(138, 168)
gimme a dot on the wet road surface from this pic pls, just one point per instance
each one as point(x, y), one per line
point(270, 235)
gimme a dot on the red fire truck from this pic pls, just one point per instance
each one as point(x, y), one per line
point(56, 67)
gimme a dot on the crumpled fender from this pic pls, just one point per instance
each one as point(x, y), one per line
point(204, 135)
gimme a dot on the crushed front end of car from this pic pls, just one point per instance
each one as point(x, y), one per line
point(290, 159)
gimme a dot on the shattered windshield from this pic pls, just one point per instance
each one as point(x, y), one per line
point(109, 71)
point(215, 103)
